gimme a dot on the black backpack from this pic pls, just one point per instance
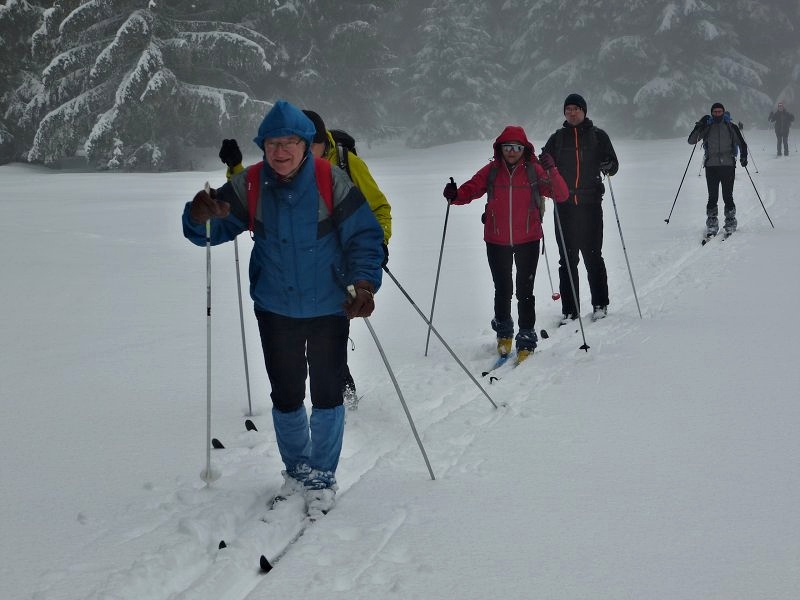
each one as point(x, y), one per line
point(344, 143)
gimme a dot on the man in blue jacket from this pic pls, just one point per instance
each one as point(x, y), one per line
point(304, 257)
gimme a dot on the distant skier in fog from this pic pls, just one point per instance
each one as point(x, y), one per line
point(783, 121)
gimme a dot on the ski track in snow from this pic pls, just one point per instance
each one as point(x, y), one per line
point(176, 551)
point(192, 566)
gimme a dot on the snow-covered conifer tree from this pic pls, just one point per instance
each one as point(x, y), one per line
point(19, 80)
point(336, 63)
point(136, 87)
point(455, 80)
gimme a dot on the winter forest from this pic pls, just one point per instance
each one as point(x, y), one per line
point(155, 84)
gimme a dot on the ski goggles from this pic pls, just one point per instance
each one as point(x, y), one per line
point(512, 147)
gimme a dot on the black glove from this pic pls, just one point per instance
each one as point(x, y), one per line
point(546, 161)
point(450, 191)
point(743, 161)
point(385, 255)
point(704, 120)
point(606, 166)
point(230, 154)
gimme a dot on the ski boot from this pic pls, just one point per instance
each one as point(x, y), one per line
point(730, 221)
point(526, 343)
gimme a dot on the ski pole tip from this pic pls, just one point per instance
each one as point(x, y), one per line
point(264, 564)
point(210, 475)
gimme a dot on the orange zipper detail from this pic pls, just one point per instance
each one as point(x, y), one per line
point(577, 166)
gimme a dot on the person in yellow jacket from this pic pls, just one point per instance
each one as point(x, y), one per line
point(324, 146)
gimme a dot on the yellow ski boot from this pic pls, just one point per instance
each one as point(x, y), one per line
point(521, 356)
point(504, 346)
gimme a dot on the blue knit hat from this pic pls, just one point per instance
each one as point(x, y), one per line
point(284, 119)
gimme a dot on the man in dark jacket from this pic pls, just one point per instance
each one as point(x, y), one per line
point(722, 140)
point(783, 120)
point(582, 152)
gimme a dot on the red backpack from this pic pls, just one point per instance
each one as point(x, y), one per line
point(322, 169)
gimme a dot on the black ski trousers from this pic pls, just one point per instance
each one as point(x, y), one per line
point(716, 177)
point(501, 262)
point(783, 138)
point(583, 235)
point(298, 348)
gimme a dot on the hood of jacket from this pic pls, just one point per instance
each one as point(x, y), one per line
point(513, 133)
point(284, 119)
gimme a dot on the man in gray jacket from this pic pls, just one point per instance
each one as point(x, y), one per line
point(722, 141)
point(783, 120)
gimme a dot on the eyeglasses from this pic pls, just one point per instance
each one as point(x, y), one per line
point(287, 145)
point(513, 147)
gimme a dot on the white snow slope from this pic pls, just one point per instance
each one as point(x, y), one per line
point(660, 464)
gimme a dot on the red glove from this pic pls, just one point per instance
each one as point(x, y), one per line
point(363, 303)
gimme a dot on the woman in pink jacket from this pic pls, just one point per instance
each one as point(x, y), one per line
point(514, 182)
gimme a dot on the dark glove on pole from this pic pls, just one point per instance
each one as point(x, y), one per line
point(204, 207)
point(450, 190)
point(361, 301)
point(546, 161)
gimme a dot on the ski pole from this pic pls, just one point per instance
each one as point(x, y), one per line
point(565, 256)
point(441, 339)
point(759, 198)
point(553, 293)
point(624, 250)
point(752, 161)
point(208, 474)
point(352, 291)
point(681, 185)
point(241, 322)
point(438, 269)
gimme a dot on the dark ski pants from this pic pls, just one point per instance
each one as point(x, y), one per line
point(583, 235)
point(501, 262)
point(783, 138)
point(716, 176)
point(297, 348)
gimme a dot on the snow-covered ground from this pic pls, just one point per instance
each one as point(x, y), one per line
point(660, 464)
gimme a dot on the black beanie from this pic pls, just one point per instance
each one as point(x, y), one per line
point(320, 137)
point(717, 105)
point(577, 100)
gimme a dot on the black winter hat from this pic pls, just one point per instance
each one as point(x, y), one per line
point(717, 105)
point(321, 136)
point(577, 100)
